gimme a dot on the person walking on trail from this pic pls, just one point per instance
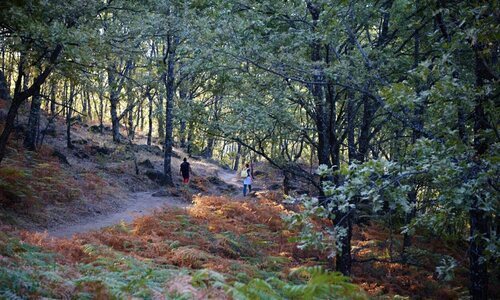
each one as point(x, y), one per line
point(247, 181)
point(185, 169)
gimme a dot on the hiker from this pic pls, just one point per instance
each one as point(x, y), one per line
point(185, 168)
point(247, 181)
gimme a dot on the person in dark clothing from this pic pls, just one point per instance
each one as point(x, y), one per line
point(185, 168)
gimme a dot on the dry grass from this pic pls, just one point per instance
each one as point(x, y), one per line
point(244, 237)
point(30, 182)
point(216, 233)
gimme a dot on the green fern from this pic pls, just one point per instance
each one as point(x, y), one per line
point(315, 283)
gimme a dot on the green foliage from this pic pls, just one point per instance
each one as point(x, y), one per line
point(23, 269)
point(122, 276)
point(306, 283)
point(12, 184)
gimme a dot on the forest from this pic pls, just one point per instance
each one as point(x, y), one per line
point(369, 131)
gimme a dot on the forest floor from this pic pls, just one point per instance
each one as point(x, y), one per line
point(133, 206)
point(137, 204)
point(95, 183)
point(81, 222)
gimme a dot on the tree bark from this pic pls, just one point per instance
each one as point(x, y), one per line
point(150, 117)
point(101, 111)
point(479, 227)
point(21, 96)
point(343, 258)
point(237, 158)
point(161, 119)
point(189, 142)
point(53, 87)
point(322, 122)
point(131, 131)
point(209, 149)
point(115, 87)
point(69, 114)
point(89, 105)
point(115, 122)
point(318, 93)
point(4, 91)
point(141, 118)
point(113, 103)
point(33, 122)
point(182, 126)
point(169, 80)
point(84, 102)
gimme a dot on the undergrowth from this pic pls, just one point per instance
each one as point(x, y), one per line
point(29, 181)
point(218, 249)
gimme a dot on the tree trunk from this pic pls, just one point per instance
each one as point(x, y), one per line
point(343, 220)
point(84, 102)
point(113, 103)
point(101, 111)
point(21, 96)
point(53, 98)
point(169, 80)
point(182, 133)
point(69, 113)
point(343, 258)
point(318, 94)
point(150, 117)
point(33, 122)
point(3, 58)
point(478, 219)
point(130, 114)
point(161, 120)
point(182, 126)
point(287, 184)
point(9, 125)
point(209, 150)
point(189, 142)
point(364, 132)
point(222, 151)
point(115, 87)
point(4, 91)
point(10, 73)
point(89, 105)
point(141, 118)
point(115, 122)
point(131, 131)
point(237, 158)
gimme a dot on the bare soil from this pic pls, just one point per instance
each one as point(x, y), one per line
point(136, 204)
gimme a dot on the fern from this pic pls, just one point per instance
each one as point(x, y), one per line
point(316, 283)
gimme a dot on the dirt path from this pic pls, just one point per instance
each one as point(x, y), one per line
point(230, 177)
point(137, 204)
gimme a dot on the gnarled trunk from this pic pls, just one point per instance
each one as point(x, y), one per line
point(21, 96)
point(33, 122)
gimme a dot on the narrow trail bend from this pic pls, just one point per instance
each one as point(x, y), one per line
point(136, 204)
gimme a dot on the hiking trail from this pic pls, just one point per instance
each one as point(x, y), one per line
point(134, 205)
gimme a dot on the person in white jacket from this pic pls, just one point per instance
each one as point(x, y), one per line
point(247, 181)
